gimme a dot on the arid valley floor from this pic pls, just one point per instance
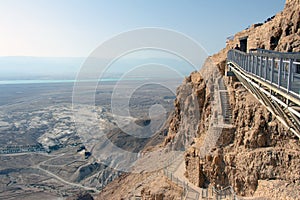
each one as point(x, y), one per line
point(42, 154)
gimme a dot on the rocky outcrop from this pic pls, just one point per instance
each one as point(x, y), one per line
point(279, 33)
point(165, 190)
point(256, 155)
point(260, 149)
point(189, 104)
point(192, 111)
point(148, 186)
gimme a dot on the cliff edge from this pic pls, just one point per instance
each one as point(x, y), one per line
point(260, 157)
point(249, 150)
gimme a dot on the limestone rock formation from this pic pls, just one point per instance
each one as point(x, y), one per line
point(279, 33)
point(258, 157)
point(260, 150)
point(166, 190)
point(188, 105)
point(148, 186)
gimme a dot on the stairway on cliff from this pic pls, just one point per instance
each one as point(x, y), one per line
point(225, 105)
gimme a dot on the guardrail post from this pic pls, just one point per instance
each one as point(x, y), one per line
point(260, 66)
point(294, 71)
point(272, 69)
point(279, 72)
point(284, 71)
point(266, 68)
point(256, 65)
point(244, 62)
point(289, 75)
point(252, 67)
point(248, 64)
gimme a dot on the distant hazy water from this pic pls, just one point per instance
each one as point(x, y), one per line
point(10, 82)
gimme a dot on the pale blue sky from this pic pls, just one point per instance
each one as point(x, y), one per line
point(70, 28)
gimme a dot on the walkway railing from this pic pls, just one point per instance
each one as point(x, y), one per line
point(225, 193)
point(178, 182)
point(280, 69)
point(274, 79)
point(169, 171)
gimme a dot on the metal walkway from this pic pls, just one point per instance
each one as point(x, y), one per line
point(274, 79)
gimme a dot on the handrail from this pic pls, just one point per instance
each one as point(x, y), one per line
point(220, 193)
point(181, 183)
point(274, 78)
point(279, 69)
point(271, 51)
point(271, 54)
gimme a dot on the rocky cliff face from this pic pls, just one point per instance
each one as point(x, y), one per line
point(189, 106)
point(280, 33)
point(192, 107)
point(260, 151)
point(255, 155)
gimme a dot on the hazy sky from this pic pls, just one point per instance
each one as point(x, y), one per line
point(76, 27)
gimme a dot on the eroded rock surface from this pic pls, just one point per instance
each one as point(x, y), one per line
point(260, 149)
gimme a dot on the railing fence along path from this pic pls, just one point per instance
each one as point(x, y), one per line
point(169, 171)
point(274, 79)
point(280, 69)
